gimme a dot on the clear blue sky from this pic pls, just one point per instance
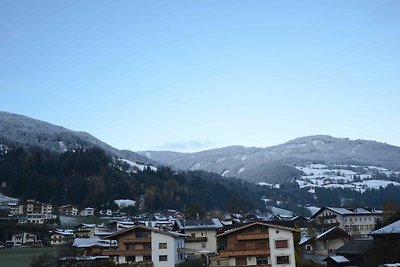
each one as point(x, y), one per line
point(190, 75)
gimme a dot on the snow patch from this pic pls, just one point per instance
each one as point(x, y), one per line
point(123, 203)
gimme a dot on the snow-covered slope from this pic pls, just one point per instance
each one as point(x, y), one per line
point(276, 163)
point(354, 177)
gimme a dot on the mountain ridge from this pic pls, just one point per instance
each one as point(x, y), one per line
point(252, 163)
point(27, 132)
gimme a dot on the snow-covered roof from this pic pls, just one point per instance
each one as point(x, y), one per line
point(338, 259)
point(202, 224)
point(339, 232)
point(393, 228)
point(304, 239)
point(93, 242)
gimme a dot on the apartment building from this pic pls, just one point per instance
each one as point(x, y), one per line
point(202, 234)
point(255, 244)
point(145, 244)
point(356, 222)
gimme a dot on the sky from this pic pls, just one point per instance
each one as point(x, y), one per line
point(193, 75)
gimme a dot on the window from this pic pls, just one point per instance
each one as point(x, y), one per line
point(130, 258)
point(146, 245)
point(162, 245)
point(180, 256)
point(241, 261)
point(261, 260)
point(193, 235)
point(282, 259)
point(147, 258)
point(162, 258)
point(139, 234)
point(281, 244)
point(203, 245)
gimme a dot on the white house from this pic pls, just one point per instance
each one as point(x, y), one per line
point(202, 234)
point(87, 212)
point(23, 239)
point(145, 244)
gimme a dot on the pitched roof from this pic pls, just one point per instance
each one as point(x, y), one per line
point(355, 247)
point(337, 259)
point(333, 232)
point(244, 226)
point(93, 242)
point(118, 233)
point(393, 228)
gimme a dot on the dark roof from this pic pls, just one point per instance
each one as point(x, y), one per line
point(246, 225)
point(358, 247)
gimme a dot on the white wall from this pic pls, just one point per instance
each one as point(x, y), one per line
point(279, 234)
point(211, 244)
point(170, 251)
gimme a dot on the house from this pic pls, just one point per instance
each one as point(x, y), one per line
point(68, 210)
point(61, 237)
point(31, 212)
point(202, 234)
point(356, 222)
point(256, 244)
point(146, 244)
point(84, 230)
point(326, 242)
point(87, 212)
point(359, 252)
point(21, 239)
point(387, 243)
point(92, 246)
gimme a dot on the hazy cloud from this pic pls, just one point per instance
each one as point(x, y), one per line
point(187, 146)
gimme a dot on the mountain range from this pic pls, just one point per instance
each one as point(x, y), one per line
point(273, 164)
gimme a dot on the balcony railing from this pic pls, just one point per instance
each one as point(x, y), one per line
point(124, 252)
point(196, 239)
point(253, 236)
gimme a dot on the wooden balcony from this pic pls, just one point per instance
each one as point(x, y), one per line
point(196, 239)
point(252, 252)
point(135, 240)
point(253, 236)
point(120, 252)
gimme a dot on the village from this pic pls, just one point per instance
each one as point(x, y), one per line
point(332, 236)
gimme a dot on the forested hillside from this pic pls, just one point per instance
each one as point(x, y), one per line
point(91, 178)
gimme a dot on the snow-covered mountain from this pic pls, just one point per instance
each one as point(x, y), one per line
point(277, 163)
point(27, 132)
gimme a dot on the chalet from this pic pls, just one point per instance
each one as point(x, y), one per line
point(325, 243)
point(255, 244)
point(61, 237)
point(22, 239)
point(202, 234)
point(144, 244)
point(31, 212)
point(356, 222)
point(68, 210)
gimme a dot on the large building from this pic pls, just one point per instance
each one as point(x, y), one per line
point(145, 244)
point(202, 235)
point(356, 222)
point(255, 244)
